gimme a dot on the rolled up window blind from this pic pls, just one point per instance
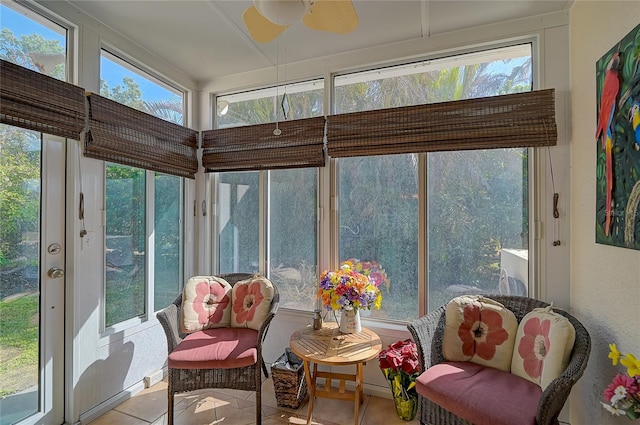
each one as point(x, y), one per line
point(124, 135)
point(506, 121)
point(256, 147)
point(31, 100)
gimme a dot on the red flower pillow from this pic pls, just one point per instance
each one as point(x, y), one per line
point(251, 300)
point(479, 330)
point(543, 345)
point(206, 303)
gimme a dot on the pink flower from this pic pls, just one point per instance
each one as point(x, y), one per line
point(481, 332)
point(247, 298)
point(535, 345)
point(620, 386)
point(214, 297)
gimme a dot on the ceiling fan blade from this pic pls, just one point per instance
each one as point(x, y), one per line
point(260, 28)
point(337, 16)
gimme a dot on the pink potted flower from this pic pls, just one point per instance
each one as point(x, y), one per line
point(399, 364)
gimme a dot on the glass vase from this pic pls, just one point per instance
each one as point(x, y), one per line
point(406, 408)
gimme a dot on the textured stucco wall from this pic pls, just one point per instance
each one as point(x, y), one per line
point(605, 280)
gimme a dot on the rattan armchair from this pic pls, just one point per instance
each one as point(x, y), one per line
point(239, 378)
point(428, 332)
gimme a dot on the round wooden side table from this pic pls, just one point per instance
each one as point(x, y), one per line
point(328, 346)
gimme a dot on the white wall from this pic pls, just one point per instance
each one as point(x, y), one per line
point(605, 280)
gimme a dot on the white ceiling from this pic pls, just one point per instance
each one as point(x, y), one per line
point(207, 39)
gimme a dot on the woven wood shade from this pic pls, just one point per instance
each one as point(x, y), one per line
point(38, 102)
point(255, 147)
point(118, 133)
point(508, 121)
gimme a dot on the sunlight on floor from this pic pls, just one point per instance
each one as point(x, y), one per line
point(232, 407)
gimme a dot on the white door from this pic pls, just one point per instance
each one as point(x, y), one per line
point(32, 260)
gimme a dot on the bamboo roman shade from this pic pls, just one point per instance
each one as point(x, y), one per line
point(38, 102)
point(507, 121)
point(255, 147)
point(118, 133)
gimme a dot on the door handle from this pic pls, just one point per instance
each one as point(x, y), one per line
point(55, 272)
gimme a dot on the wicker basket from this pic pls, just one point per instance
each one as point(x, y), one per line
point(290, 385)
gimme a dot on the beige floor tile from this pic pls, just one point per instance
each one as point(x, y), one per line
point(200, 412)
point(148, 404)
point(227, 415)
point(113, 417)
point(162, 420)
point(382, 411)
point(335, 411)
point(232, 407)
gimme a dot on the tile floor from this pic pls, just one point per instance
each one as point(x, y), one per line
point(232, 407)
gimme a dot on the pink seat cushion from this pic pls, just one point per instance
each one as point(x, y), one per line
point(219, 348)
point(482, 395)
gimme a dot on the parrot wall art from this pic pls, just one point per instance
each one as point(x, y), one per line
point(617, 137)
point(608, 98)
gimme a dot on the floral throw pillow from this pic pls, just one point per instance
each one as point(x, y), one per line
point(251, 302)
point(543, 345)
point(206, 303)
point(479, 330)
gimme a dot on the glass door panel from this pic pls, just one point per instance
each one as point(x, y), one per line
point(31, 277)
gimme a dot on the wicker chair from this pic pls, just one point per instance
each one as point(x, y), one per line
point(428, 333)
point(239, 378)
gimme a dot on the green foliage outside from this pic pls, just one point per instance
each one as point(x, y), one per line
point(18, 344)
point(19, 194)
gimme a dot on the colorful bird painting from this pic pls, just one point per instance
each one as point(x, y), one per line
point(610, 90)
point(634, 119)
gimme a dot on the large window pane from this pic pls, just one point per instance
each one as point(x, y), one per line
point(124, 83)
point(125, 243)
point(290, 210)
point(238, 218)
point(477, 211)
point(32, 41)
point(20, 186)
point(300, 100)
point(292, 235)
point(167, 239)
point(379, 226)
point(130, 86)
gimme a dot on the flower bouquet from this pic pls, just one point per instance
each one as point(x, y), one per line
point(622, 396)
point(349, 291)
point(399, 364)
point(347, 288)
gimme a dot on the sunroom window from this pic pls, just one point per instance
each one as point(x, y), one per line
point(144, 209)
point(267, 220)
point(432, 225)
point(476, 208)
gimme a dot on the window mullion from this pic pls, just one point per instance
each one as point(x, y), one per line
point(150, 242)
point(263, 220)
point(423, 236)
